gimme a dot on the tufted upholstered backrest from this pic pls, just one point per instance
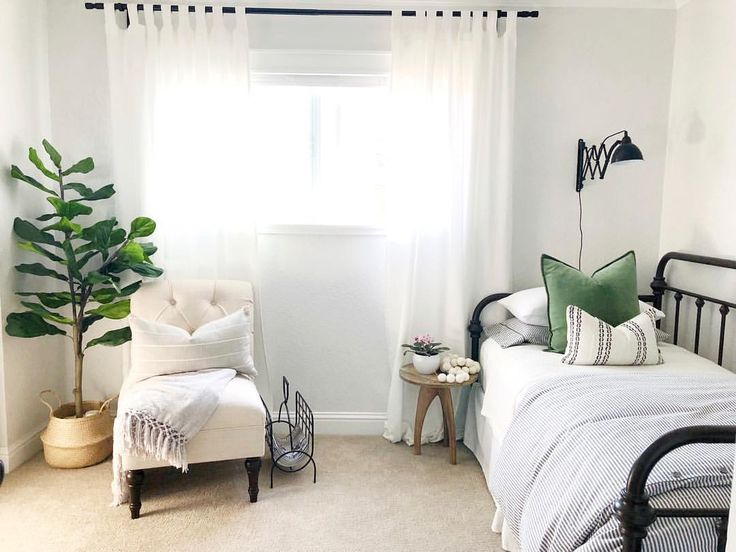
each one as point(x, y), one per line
point(189, 304)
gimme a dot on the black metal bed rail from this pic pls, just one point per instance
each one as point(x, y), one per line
point(633, 510)
point(660, 286)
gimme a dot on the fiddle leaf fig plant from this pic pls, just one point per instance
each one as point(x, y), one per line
point(89, 261)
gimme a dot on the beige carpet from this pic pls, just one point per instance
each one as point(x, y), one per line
point(370, 496)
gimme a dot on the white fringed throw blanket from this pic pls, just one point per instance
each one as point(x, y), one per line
point(158, 416)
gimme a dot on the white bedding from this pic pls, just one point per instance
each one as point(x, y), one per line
point(506, 373)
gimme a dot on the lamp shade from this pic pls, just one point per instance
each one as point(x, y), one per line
point(626, 151)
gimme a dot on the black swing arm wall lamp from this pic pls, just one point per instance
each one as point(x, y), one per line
point(594, 160)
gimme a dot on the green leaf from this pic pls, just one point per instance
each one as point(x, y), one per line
point(116, 311)
point(85, 258)
point(87, 194)
point(148, 248)
point(37, 269)
point(111, 338)
point(131, 288)
point(51, 300)
point(28, 246)
point(105, 295)
point(65, 225)
point(36, 160)
point(146, 269)
point(141, 227)
point(47, 216)
point(95, 277)
point(30, 324)
point(70, 209)
point(16, 173)
point(53, 154)
point(83, 167)
point(132, 252)
point(87, 321)
point(47, 314)
point(117, 236)
point(71, 260)
point(100, 234)
point(80, 188)
point(28, 231)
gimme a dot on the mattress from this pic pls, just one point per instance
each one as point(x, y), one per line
point(506, 374)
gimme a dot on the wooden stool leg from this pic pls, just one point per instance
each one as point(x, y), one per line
point(448, 413)
point(426, 396)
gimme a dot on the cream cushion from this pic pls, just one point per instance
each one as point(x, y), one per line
point(158, 349)
point(236, 428)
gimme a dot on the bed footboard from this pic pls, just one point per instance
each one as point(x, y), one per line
point(633, 511)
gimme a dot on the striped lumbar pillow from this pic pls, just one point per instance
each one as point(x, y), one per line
point(158, 349)
point(515, 332)
point(591, 341)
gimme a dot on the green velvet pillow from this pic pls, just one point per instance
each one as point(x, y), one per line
point(609, 294)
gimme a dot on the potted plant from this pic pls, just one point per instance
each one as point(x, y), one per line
point(426, 353)
point(89, 261)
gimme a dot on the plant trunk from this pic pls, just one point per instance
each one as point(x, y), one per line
point(78, 364)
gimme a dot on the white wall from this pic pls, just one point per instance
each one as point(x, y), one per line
point(697, 208)
point(578, 71)
point(586, 73)
point(26, 366)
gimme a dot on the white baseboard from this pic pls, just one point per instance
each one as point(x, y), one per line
point(22, 449)
point(347, 423)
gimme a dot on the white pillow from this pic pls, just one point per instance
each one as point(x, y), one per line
point(644, 307)
point(158, 349)
point(591, 341)
point(529, 306)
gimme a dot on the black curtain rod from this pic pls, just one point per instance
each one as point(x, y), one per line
point(299, 11)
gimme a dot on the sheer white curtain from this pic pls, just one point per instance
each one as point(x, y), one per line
point(179, 103)
point(452, 82)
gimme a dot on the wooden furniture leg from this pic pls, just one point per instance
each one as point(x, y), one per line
point(253, 467)
point(448, 413)
point(135, 483)
point(426, 396)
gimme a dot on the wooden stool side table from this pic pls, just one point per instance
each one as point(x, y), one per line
point(429, 388)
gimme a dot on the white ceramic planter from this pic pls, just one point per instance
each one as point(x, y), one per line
point(425, 364)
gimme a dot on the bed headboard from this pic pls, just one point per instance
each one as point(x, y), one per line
point(659, 288)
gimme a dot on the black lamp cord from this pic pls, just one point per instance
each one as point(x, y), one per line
point(580, 227)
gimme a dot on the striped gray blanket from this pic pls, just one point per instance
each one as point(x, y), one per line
point(566, 456)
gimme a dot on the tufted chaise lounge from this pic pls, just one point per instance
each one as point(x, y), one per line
point(236, 428)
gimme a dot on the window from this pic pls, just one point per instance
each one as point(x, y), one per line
point(316, 153)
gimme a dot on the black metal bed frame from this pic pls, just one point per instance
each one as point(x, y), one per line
point(633, 510)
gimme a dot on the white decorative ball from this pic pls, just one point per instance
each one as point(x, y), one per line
point(450, 378)
point(445, 368)
point(454, 371)
point(453, 362)
point(442, 377)
point(465, 377)
point(473, 370)
point(461, 362)
point(466, 369)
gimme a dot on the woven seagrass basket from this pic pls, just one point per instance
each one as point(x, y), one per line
point(70, 442)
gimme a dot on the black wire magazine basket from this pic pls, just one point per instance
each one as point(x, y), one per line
point(291, 443)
